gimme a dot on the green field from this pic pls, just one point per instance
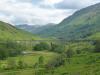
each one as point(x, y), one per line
point(83, 64)
point(88, 64)
point(29, 59)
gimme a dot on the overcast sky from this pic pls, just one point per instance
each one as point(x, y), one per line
point(40, 11)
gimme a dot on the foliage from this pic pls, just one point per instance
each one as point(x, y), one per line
point(3, 54)
point(21, 64)
point(41, 60)
point(57, 47)
point(83, 47)
point(97, 46)
point(69, 53)
point(41, 46)
point(9, 32)
point(55, 62)
point(10, 48)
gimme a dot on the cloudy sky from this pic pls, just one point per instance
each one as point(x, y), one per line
point(40, 11)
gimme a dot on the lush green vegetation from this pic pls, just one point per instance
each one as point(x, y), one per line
point(80, 57)
point(9, 48)
point(49, 46)
point(41, 46)
point(28, 62)
point(9, 32)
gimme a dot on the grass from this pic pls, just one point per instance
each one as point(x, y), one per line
point(19, 72)
point(88, 64)
point(82, 64)
point(29, 59)
point(9, 32)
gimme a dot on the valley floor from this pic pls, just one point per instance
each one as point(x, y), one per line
point(30, 59)
point(82, 64)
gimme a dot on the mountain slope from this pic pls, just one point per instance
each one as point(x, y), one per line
point(82, 24)
point(9, 32)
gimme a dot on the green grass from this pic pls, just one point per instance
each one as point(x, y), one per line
point(19, 72)
point(82, 64)
point(95, 36)
point(30, 60)
point(9, 32)
point(88, 64)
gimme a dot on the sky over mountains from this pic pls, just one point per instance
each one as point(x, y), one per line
point(40, 11)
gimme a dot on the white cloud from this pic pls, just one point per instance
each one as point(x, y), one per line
point(33, 11)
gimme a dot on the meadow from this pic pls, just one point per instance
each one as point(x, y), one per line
point(29, 60)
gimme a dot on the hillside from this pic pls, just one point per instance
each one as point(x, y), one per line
point(82, 24)
point(9, 32)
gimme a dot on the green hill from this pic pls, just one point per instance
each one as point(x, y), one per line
point(82, 24)
point(9, 32)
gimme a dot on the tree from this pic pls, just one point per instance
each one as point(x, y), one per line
point(3, 51)
point(69, 53)
point(41, 60)
point(41, 46)
point(57, 48)
point(97, 46)
point(78, 51)
point(14, 48)
point(10, 48)
point(20, 64)
point(3, 54)
point(39, 63)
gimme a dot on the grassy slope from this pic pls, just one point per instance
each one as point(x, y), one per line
point(81, 65)
point(95, 36)
point(9, 32)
